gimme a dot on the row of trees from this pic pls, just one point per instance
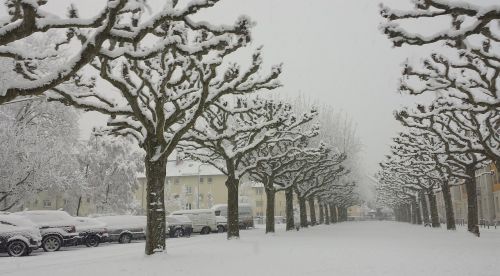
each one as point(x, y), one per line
point(457, 130)
point(166, 81)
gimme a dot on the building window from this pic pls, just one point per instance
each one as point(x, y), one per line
point(88, 199)
point(176, 196)
point(189, 190)
point(47, 203)
point(168, 180)
point(209, 180)
point(176, 180)
point(201, 179)
point(259, 190)
point(188, 206)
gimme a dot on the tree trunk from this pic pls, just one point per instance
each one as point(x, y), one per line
point(78, 206)
point(321, 213)
point(233, 225)
point(417, 211)
point(448, 206)
point(312, 211)
point(334, 218)
point(408, 213)
point(303, 212)
point(290, 223)
point(270, 195)
point(414, 211)
point(425, 209)
point(472, 211)
point(434, 210)
point(156, 171)
point(327, 214)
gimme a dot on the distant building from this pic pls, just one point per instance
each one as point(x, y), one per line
point(488, 197)
point(193, 185)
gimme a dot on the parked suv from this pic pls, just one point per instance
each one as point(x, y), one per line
point(91, 231)
point(57, 228)
point(126, 228)
point(179, 226)
point(18, 236)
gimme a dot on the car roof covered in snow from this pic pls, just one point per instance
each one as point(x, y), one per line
point(17, 220)
point(123, 221)
point(192, 211)
point(45, 216)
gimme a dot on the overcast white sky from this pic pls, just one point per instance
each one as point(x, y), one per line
point(332, 51)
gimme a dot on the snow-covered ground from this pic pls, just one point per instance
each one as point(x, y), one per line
point(353, 248)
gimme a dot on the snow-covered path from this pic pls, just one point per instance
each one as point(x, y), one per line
point(354, 248)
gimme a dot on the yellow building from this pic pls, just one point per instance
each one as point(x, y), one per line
point(58, 201)
point(194, 185)
point(254, 193)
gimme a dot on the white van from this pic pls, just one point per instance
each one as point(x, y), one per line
point(245, 216)
point(203, 219)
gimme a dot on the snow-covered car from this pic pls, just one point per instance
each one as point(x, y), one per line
point(57, 228)
point(221, 224)
point(125, 228)
point(18, 236)
point(91, 231)
point(179, 226)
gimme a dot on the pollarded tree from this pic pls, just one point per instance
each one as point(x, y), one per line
point(460, 145)
point(465, 87)
point(425, 145)
point(231, 130)
point(37, 151)
point(463, 21)
point(118, 20)
point(156, 93)
point(275, 158)
point(317, 171)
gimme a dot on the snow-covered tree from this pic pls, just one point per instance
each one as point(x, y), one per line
point(232, 129)
point(156, 93)
point(110, 167)
point(464, 20)
point(122, 21)
point(37, 151)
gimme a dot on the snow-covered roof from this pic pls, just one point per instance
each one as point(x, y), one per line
point(190, 168)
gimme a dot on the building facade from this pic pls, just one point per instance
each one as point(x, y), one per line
point(488, 197)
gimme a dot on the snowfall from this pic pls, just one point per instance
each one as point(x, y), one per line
point(351, 248)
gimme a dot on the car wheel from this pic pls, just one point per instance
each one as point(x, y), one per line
point(17, 248)
point(205, 230)
point(92, 241)
point(178, 233)
point(220, 229)
point(51, 243)
point(125, 238)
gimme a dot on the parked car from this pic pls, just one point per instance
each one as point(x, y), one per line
point(91, 231)
point(203, 219)
point(179, 226)
point(221, 224)
point(57, 228)
point(125, 228)
point(244, 214)
point(18, 236)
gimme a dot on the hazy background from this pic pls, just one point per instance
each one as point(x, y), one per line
point(332, 52)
